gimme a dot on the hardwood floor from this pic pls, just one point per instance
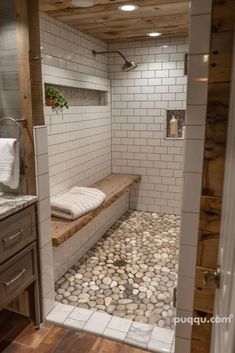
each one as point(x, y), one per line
point(53, 339)
point(11, 325)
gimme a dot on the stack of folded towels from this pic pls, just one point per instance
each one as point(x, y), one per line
point(9, 162)
point(76, 202)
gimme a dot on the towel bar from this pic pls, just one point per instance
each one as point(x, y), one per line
point(16, 122)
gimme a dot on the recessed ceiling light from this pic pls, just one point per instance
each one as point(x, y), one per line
point(154, 34)
point(128, 7)
point(83, 3)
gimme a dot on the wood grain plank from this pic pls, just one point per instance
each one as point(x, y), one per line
point(106, 22)
point(204, 293)
point(208, 247)
point(210, 214)
point(61, 340)
point(30, 80)
point(219, 84)
point(201, 334)
point(213, 170)
point(221, 57)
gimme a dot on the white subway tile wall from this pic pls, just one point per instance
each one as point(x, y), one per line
point(79, 139)
point(193, 164)
point(44, 219)
point(140, 99)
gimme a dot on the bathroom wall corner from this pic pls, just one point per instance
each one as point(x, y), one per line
point(44, 220)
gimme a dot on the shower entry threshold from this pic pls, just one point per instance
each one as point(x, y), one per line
point(144, 336)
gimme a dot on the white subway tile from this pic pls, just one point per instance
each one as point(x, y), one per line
point(198, 79)
point(196, 114)
point(187, 260)
point(186, 296)
point(189, 228)
point(201, 7)
point(191, 192)
point(194, 153)
point(200, 34)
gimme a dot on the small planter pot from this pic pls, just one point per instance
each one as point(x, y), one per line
point(50, 102)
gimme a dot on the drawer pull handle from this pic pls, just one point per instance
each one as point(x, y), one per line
point(7, 284)
point(12, 237)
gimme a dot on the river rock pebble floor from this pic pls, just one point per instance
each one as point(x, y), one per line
point(130, 272)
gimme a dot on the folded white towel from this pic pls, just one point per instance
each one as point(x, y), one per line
point(76, 202)
point(9, 162)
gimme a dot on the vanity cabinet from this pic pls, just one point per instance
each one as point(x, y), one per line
point(19, 260)
point(16, 232)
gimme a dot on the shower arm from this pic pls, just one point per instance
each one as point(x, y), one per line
point(109, 51)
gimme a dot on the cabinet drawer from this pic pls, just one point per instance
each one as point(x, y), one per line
point(17, 274)
point(16, 232)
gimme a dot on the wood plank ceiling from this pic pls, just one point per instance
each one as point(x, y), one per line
point(105, 21)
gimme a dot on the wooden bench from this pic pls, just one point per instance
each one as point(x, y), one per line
point(114, 186)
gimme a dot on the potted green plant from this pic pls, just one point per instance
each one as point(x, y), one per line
point(54, 98)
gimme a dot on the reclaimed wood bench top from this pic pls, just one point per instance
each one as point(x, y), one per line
point(114, 186)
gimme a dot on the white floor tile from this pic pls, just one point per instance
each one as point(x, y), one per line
point(81, 314)
point(159, 347)
point(173, 346)
point(114, 334)
point(74, 324)
point(136, 342)
point(162, 335)
point(97, 323)
point(139, 334)
point(120, 324)
point(60, 313)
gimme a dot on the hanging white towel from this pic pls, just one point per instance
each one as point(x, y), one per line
point(76, 202)
point(9, 162)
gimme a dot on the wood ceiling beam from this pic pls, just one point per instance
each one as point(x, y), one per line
point(151, 22)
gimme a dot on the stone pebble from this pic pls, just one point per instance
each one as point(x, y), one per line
point(130, 272)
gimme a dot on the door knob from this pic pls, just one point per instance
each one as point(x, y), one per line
point(212, 276)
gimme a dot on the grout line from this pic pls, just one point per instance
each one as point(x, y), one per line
point(150, 337)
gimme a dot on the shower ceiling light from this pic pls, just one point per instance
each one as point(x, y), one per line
point(83, 3)
point(128, 7)
point(154, 34)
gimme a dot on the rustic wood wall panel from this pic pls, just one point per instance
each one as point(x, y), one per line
point(204, 293)
point(30, 79)
point(106, 22)
point(223, 24)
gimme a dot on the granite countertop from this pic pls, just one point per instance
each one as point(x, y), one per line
point(12, 203)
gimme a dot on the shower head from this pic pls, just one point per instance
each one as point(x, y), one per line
point(128, 66)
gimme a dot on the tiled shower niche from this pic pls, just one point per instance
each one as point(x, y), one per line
point(82, 96)
point(175, 131)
